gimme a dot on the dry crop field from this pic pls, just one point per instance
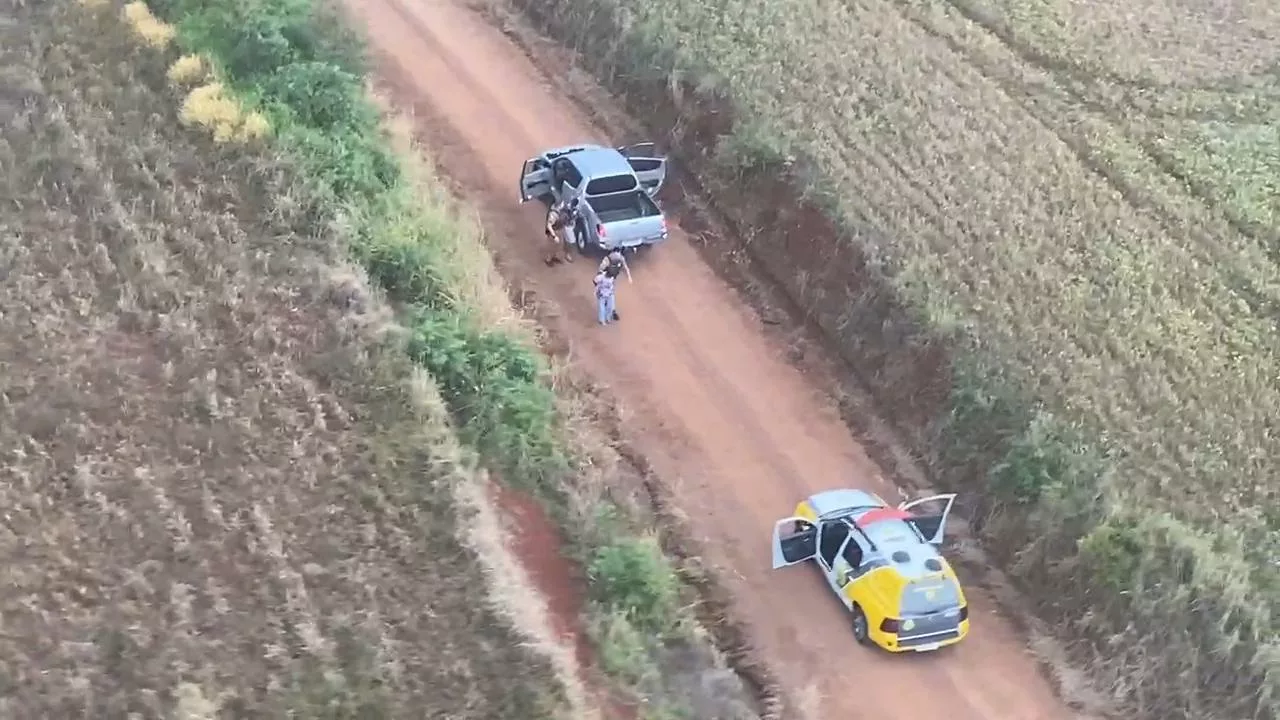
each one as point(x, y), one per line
point(220, 496)
point(1079, 203)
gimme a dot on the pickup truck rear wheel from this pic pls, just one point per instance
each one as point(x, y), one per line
point(861, 631)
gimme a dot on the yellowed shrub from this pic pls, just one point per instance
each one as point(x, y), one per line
point(211, 107)
point(150, 29)
point(187, 70)
point(255, 126)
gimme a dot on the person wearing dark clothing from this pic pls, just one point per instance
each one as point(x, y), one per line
point(616, 263)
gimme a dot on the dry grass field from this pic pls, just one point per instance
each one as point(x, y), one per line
point(1052, 252)
point(222, 495)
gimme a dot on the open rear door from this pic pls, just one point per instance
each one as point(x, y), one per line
point(650, 171)
point(535, 179)
point(795, 540)
point(929, 515)
point(645, 149)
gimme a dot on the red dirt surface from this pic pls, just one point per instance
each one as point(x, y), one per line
point(532, 537)
point(735, 431)
point(535, 541)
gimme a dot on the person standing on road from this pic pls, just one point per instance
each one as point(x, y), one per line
point(616, 263)
point(606, 311)
point(612, 266)
point(560, 217)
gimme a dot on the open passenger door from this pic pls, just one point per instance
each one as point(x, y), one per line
point(535, 179)
point(650, 169)
point(795, 540)
point(929, 515)
point(645, 149)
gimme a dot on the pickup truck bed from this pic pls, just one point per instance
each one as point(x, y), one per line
point(626, 220)
point(617, 207)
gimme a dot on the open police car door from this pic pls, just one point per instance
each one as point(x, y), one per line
point(795, 540)
point(929, 515)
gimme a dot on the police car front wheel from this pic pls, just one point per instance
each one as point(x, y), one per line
point(861, 631)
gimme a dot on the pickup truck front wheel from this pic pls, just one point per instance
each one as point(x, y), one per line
point(580, 237)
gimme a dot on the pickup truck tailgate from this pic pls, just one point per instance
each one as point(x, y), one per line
point(627, 219)
point(634, 232)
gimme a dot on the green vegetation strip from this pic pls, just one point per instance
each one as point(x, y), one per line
point(1109, 392)
point(294, 63)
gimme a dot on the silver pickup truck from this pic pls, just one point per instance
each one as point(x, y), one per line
point(615, 188)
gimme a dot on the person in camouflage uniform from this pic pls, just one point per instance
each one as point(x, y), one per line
point(560, 219)
point(616, 263)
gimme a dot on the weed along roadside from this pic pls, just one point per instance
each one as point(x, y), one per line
point(1026, 322)
point(288, 73)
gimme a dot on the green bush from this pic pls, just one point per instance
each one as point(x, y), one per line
point(349, 167)
point(752, 147)
point(624, 648)
point(254, 38)
point(326, 37)
point(633, 577)
point(491, 383)
point(1036, 461)
point(979, 408)
point(1114, 550)
point(403, 264)
point(319, 94)
point(250, 39)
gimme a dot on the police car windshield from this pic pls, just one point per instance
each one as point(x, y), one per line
point(929, 595)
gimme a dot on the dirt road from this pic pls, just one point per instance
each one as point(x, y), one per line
point(735, 430)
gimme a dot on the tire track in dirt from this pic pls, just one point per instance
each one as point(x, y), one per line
point(688, 360)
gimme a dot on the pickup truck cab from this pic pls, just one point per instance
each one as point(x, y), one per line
point(615, 188)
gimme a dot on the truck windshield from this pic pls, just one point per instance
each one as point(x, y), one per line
point(611, 184)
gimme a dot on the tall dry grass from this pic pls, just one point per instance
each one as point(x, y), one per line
point(1105, 293)
point(223, 497)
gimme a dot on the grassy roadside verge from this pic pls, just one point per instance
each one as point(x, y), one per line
point(289, 70)
point(1112, 567)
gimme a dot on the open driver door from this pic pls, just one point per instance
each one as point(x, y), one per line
point(795, 540)
point(535, 179)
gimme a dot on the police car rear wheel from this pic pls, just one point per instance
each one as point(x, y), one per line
point(861, 631)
